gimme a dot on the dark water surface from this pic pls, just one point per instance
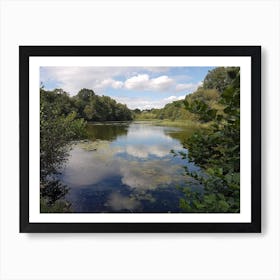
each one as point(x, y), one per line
point(127, 167)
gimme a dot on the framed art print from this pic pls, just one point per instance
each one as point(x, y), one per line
point(140, 138)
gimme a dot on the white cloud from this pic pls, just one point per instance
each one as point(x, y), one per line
point(158, 69)
point(139, 82)
point(187, 87)
point(109, 83)
point(161, 83)
point(72, 79)
point(143, 82)
point(146, 103)
point(174, 98)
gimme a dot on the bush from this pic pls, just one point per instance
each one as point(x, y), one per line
point(217, 152)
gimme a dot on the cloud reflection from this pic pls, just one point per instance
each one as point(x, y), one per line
point(141, 151)
point(119, 202)
point(150, 175)
point(90, 167)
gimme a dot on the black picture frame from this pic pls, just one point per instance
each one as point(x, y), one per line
point(254, 52)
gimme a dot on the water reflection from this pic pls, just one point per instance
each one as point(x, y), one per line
point(129, 169)
point(120, 202)
point(107, 131)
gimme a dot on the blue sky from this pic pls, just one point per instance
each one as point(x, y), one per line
point(138, 87)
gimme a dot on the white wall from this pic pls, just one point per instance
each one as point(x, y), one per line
point(139, 256)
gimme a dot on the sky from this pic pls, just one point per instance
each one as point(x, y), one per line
point(137, 87)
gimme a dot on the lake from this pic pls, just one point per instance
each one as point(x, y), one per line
point(128, 167)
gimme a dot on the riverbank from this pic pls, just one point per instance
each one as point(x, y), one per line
point(177, 123)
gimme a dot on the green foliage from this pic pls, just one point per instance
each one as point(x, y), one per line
point(58, 126)
point(205, 112)
point(59, 206)
point(62, 120)
point(172, 111)
point(217, 150)
point(219, 78)
point(93, 107)
point(209, 96)
point(204, 103)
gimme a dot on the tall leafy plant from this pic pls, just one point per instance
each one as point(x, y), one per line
point(58, 126)
point(216, 151)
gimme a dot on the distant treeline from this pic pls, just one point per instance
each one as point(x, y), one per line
point(208, 94)
point(87, 105)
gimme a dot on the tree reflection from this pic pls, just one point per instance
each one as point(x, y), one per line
point(107, 131)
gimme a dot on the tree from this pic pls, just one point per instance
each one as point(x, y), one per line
point(85, 94)
point(62, 120)
point(218, 78)
point(217, 152)
point(100, 108)
point(88, 112)
point(58, 127)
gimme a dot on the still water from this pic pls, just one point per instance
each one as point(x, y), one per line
point(128, 167)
